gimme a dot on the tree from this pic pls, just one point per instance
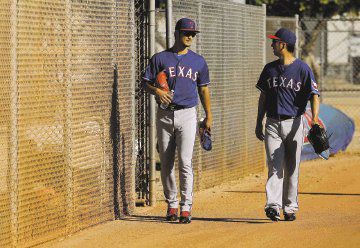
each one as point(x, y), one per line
point(309, 8)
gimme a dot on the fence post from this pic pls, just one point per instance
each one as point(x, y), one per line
point(133, 104)
point(68, 124)
point(169, 17)
point(152, 185)
point(297, 35)
point(14, 146)
point(264, 36)
point(322, 60)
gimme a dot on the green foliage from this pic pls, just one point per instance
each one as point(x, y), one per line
point(309, 8)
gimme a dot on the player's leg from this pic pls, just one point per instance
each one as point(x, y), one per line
point(294, 143)
point(185, 129)
point(275, 157)
point(166, 142)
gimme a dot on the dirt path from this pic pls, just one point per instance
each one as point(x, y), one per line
point(231, 215)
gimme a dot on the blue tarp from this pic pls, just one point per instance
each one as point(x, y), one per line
point(336, 123)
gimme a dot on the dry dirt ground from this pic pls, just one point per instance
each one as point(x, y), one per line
point(231, 215)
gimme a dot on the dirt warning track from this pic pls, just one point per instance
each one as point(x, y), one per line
point(231, 215)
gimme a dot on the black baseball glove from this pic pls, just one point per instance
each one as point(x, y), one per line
point(318, 138)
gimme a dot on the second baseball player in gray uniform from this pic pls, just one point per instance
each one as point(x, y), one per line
point(286, 86)
point(188, 76)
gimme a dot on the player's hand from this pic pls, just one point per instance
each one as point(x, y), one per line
point(259, 132)
point(208, 122)
point(164, 96)
point(314, 122)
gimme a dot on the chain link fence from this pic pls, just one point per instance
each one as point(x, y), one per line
point(66, 117)
point(331, 47)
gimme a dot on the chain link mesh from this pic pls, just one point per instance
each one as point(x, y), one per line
point(331, 47)
point(59, 105)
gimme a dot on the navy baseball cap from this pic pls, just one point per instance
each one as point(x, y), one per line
point(284, 35)
point(186, 24)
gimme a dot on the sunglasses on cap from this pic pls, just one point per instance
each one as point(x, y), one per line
point(188, 33)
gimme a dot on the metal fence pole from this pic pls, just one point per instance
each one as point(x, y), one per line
point(264, 36)
point(169, 17)
point(133, 114)
point(68, 125)
point(14, 146)
point(152, 186)
point(264, 63)
point(322, 62)
point(297, 36)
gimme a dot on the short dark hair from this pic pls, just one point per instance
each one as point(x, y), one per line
point(290, 48)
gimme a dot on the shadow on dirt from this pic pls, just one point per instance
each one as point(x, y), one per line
point(300, 193)
point(162, 219)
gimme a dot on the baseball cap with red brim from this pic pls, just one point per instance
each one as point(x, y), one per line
point(186, 24)
point(284, 35)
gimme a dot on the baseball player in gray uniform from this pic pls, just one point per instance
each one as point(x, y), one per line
point(188, 76)
point(286, 86)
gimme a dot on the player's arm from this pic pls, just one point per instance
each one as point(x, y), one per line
point(315, 103)
point(162, 95)
point(314, 96)
point(204, 94)
point(260, 116)
point(149, 78)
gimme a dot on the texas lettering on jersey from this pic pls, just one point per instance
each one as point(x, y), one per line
point(183, 71)
point(274, 82)
point(287, 88)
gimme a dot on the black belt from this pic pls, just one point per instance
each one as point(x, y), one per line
point(283, 117)
point(173, 107)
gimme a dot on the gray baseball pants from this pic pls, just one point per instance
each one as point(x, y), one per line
point(283, 145)
point(177, 129)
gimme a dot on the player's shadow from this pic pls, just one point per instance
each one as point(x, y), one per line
point(161, 219)
point(300, 193)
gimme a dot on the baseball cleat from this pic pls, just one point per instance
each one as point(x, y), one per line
point(185, 217)
point(171, 214)
point(289, 216)
point(272, 214)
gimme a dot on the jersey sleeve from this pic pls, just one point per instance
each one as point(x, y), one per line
point(261, 84)
point(311, 86)
point(204, 78)
point(151, 70)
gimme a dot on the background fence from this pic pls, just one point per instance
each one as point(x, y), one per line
point(331, 47)
point(65, 124)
